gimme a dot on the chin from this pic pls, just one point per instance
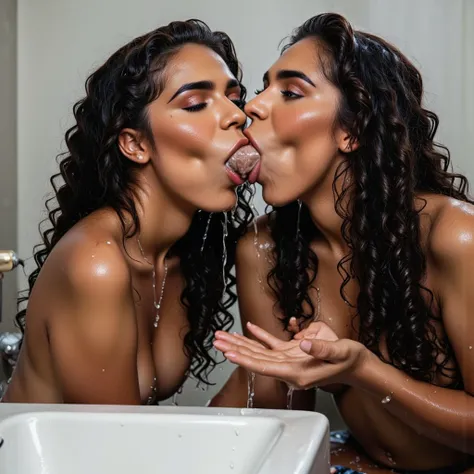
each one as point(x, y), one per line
point(275, 198)
point(223, 201)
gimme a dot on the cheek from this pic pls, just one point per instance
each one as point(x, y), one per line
point(183, 138)
point(296, 124)
point(306, 139)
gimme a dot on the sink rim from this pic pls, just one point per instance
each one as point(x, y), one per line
point(302, 432)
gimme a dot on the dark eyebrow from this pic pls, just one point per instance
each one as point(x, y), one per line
point(288, 74)
point(202, 85)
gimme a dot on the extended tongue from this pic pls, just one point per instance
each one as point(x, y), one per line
point(244, 160)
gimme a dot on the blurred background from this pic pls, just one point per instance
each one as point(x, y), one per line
point(49, 47)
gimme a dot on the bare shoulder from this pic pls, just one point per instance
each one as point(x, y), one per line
point(252, 246)
point(87, 263)
point(85, 260)
point(450, 240)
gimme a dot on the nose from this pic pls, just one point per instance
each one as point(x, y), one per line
point(256, 109)
point(234, 117)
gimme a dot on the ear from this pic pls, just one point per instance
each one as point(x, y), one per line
point(347, 143)
point(133, 145)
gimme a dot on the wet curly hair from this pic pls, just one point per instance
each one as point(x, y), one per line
point(397, 158)
point(93, 174)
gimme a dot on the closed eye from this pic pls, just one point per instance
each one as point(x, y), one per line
point(290, 95)
point(195, 108)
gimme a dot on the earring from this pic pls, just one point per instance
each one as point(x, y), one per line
point(140, 157)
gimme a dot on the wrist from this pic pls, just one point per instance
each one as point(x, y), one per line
point(362, 368)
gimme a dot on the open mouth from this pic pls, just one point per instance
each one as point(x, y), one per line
point(243, 161)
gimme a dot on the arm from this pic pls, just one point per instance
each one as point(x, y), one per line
point(256, 305)
point(94, 343)
point(441, 414)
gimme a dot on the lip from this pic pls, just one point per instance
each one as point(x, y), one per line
point(253, 176)
point(252, 141)
point(234, 177)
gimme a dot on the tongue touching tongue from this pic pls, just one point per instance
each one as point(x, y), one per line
point(243, 160)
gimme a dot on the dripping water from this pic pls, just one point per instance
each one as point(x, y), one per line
point(175, 396)
point(206, 232)
point(298, 218)
point(224, 253)
point(289, 398)
point(250, 389)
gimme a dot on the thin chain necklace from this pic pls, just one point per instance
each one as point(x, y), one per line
point(318, 312)
point(157, 305)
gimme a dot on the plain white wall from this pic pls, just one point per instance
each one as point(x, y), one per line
point(60, 42)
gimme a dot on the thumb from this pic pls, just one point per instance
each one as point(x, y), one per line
point(323, 350)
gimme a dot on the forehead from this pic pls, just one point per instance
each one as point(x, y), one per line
point(304, 56)
point(194, 63)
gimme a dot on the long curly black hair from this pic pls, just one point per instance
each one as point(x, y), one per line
point(94, 174)
point(381, 108)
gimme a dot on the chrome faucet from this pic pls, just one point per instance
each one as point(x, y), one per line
point(10, 342)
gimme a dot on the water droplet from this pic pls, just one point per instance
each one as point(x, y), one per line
point(237, 433)
point(103, 370)
point(231, 466)
point(289, 398)
point(298, 219)
point(204, 238)
point(224, 254)
point(388, 398)
point(250, 389)
point(470, 347)
point(175, 398)
point(233, 448)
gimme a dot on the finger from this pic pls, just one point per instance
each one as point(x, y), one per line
point(249, 341)
point(301, 334)
point(270, 368)
point(239, 340)
point(263, 335)
point(225, 346)
point(324, 350)
point(318, 330)
point(293, 325)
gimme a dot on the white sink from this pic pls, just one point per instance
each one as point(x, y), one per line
point(85, 439)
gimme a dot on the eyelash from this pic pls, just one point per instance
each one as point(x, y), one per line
point(290, 95)
point(196, 108)
point(285, 93)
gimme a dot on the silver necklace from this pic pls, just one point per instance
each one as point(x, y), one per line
point(156, 304)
